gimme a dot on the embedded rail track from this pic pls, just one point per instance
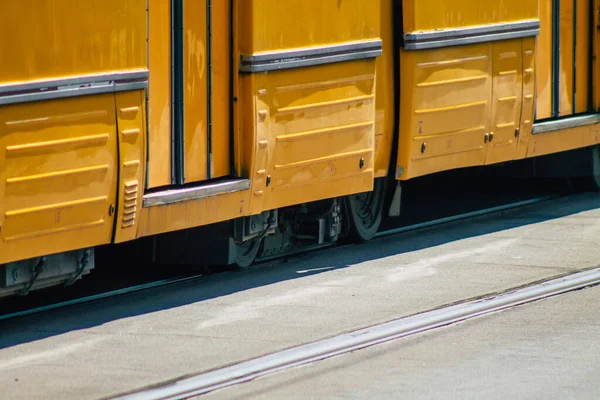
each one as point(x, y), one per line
point(366, 337)
point(196, 276)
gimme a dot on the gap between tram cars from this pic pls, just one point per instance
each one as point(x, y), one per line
point(265, 134)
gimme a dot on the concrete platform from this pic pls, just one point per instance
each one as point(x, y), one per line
point(544, 350)
point(110, 347)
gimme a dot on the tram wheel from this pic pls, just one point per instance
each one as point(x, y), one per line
point(365, 211)
point(245, 253)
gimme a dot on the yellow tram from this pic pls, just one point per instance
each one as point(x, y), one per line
point(276, 121)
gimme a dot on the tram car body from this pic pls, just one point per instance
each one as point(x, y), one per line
point(276, 121)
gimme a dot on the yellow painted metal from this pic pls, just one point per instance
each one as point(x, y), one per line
point(583, 56)
point(268, 25)
point(159, 105)
point(306, 134)
point(314, 133)
point(595, 87)
point(45, 39)
point(527, 110)
point(58, 177)
point(188, 214)
point(507, 94)
point(195, 90)
point(543, 105)
point(450, 98)
point(221, 80)
point(434, 14)
point(462, 106)
point(563, 140)
point(572, 138)
point(384, 96)
point(242, 142)
point(445, 108)
point(132, 134)
point(195, 81)
point(566, 59)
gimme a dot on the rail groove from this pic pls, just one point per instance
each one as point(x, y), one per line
point(370, 336)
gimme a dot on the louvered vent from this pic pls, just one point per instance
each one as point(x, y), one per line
point(130, 203)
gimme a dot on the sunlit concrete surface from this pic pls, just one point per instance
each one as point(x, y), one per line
point(109, 347)
point(544, 350)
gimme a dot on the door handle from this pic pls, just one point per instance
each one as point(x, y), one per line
point(486, 138)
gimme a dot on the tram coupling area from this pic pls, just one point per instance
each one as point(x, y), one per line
point(210, 337)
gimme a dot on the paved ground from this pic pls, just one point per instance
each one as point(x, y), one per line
point(109, 347)
point(544, 350)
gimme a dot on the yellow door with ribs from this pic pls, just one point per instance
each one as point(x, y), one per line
point(189, 96)
point(507, 91)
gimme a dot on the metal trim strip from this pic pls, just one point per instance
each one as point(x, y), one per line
point(470, 35)
point(574, 70)
point(278, 60)
point(209, 91)
point(73, 87)
point(195, 193)
point(555, 58)
point(177, 94)
point(565, 123)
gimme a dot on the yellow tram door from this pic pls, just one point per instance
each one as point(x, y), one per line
point(565, 48)
point(189, 94)
point(507, 95)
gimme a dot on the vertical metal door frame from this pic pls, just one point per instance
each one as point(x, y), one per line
point(574, 78)
point(555, 58)
point(592, 32)
point(232, 99)
point(209, 84)
point(177, 94)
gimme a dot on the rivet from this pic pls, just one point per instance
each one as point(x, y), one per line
point(262, 115)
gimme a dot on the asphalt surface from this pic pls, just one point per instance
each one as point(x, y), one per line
point(118, 345)
point(544, 350)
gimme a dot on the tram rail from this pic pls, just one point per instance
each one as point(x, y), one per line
point(366, 337)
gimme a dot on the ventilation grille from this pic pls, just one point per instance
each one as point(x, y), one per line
point(130, 203)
